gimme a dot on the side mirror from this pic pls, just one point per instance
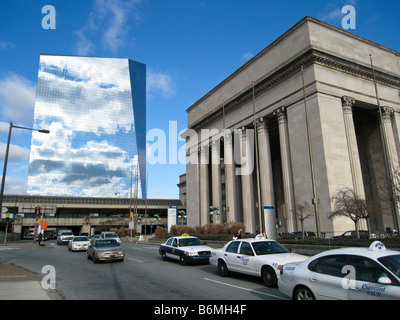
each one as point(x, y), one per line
point(384, 280)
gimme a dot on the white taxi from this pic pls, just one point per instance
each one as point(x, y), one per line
point(344, 274)
point(262, 258)
point(186, 249)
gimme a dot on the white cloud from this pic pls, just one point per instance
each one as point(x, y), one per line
point(15, 185)
point(15, 153)
point(17, 98)
point(4, 45)
point(160, 83)
point(247, 56)
point(109, 21)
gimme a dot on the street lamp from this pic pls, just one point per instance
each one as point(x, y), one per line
point(3, 180)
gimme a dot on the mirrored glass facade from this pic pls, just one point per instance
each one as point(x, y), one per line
point(95, 109)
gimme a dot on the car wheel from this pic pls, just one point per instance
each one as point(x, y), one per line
point(303, 293)
point(268, 276)
point(164, 256)
point(94, 259)
point(182, 260)
point(222, 269)
point(88, 256)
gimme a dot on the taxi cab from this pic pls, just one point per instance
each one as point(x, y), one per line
point(262, 258)
point(186, 249)
point(344, 274)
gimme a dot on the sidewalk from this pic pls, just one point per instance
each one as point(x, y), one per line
point(18, 284)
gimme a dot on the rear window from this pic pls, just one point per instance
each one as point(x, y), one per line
point(392, 263)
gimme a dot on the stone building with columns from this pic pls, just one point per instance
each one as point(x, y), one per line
point(294, 124)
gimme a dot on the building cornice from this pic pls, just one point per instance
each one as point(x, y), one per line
point(310, 57)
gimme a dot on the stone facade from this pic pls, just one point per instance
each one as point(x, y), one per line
point(256, 119)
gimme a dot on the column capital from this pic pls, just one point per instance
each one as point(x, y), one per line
point(281, 114)
point(261, 124)
point(347, 104)
point(387, 113)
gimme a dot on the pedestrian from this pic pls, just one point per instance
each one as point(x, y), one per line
point(40, 238)
point(262, 236)
point(239, 234)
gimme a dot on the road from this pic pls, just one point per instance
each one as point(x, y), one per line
point(142, 276)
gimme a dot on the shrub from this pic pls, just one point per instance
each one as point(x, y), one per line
point(161, 232)
point(233, 227)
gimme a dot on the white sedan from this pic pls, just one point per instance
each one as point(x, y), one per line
point(344, 274)
point(78, 243)
point(262, 258)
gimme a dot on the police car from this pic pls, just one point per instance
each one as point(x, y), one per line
point(262, 258)
point(186, 249)
point(346, 274)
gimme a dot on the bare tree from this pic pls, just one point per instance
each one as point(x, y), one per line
point(347, 203)
point(303, 213)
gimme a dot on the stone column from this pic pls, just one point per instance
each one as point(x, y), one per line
point(387, 113)
point(355, 165)
point(287, 176)
point(391, 152)
point(216, 177)
point(266, 175)
point(230, 183)
point(204, 185)
point(247, 181)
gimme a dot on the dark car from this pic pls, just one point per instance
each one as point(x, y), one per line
point(352, 234)
point(105, 250)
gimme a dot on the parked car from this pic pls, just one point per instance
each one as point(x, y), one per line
point(105, 250)
point(78, 243)
point(186, 250)
point(352, 234)
point(110, 235)
point(64, 237)
point(344, 274)
point(261, 258)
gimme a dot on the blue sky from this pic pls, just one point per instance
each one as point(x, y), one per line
point(189, 46)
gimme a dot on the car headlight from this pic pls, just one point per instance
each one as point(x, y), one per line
point(121, 253)
point(191, 254)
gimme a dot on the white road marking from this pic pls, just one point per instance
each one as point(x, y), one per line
point(246, 289)
point(135, 260)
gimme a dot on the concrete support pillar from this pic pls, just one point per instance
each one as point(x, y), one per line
point(247, 151)
point(287, 176)
point(391, 154)
point(230, 183)
point(204, 185)
point(355, 165)
point(216, 178)
point(266, 176)
point(387, 114)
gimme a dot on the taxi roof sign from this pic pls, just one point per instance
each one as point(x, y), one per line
point(377, 246)
point(185, 235)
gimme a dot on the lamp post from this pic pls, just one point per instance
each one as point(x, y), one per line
point(3, 180)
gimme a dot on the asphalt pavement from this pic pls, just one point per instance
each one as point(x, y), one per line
point(18, 284)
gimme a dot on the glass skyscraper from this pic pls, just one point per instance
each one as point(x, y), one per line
point(95, 109)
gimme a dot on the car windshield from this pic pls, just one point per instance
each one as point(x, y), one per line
point(81, 239)
point(110, 235)
point(392, 263)
point(268, 247)
point(67, 234)
point(190, 242)
point(106, 243)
